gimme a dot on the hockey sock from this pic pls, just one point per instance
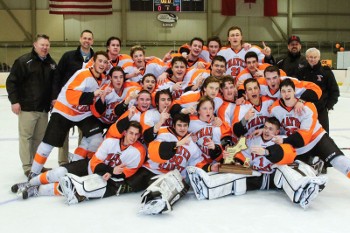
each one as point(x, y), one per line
point(49, 190)
point(342, 164)
point(94, 142)
point(49, 177)
point(40, 157)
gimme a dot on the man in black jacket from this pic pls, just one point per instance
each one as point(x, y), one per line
point(32, 86)
point(70, 62)
point(324, 78)
point(293, 60)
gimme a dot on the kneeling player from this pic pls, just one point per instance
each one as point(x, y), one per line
point(268, 161)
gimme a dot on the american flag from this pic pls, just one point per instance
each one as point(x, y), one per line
point(81, 7)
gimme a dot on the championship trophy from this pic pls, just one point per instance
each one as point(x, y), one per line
point(229, 165)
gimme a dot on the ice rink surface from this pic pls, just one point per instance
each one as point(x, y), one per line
point(257, 211)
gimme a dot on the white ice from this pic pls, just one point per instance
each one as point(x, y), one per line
point(257, 211)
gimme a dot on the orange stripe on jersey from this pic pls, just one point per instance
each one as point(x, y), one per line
point(73, 95)
point(63, 108)
point(153, 152)
point(308, 85)
point(129, 172)
point(289, 154)
point(94, 161)
point(43, 178)
point(40, 159)
point(56, 190)
point(113, 132)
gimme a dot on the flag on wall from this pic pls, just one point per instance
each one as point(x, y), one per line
point(81, 7)
point(228, 7)
point(249, 7)
point(270, 8)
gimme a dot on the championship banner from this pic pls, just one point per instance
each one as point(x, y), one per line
point(81, 7)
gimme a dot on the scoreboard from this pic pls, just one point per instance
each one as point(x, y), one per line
point(167, 5)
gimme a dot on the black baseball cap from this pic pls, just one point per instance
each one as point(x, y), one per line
point(294, 38)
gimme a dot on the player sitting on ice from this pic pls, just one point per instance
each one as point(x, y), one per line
point(162, 174)
point(114, 159)
point(268, 161)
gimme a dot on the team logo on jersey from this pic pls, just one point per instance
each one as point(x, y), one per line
point(113, 160)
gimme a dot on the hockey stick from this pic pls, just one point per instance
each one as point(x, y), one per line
point(344, 148)
point(10, 200)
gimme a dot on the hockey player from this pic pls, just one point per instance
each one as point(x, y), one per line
point(115, 91)
point(73, 108)
point(113, 46)
point(270, 171)
point(152, 119)
point(114, 159)
point(169, 154)
point(269, 86)
point(174, 82)
point(252, 114)
point(228, 92)
point(133, 114)
point(136, 69)
point(212, 49)
point(208, 137)
point(304, 131)
point(234, 54)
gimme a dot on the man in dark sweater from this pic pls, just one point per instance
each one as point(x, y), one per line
point(32, 86)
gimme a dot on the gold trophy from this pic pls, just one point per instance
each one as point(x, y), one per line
point(229, 165)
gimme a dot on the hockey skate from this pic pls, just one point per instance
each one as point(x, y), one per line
point(19, 187)
point(69, 191)
point(312, 190)
point(317, 164)
point(30, 191)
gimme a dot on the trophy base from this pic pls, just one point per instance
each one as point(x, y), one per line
point(237, 169)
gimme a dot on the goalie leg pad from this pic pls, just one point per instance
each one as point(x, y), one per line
point(161, 195)
point(86, 187)
point(299, 182)
point(215, 185)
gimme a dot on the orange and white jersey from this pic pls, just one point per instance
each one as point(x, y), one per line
point(168, 84)
point(261, 163)
point(260, 116)
point(193, 75)
point(113, 131)
point(203, 132)
point(300, 88)
point(81, 83)
point(151, 117)
point(226, 112)
point(155, 66)
point(245, 74)
point(235, 59)
point(112, 153)
point(191, 98)
point(306, 124)
point(111, 100)
point(186, 155)
point(120, 61)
